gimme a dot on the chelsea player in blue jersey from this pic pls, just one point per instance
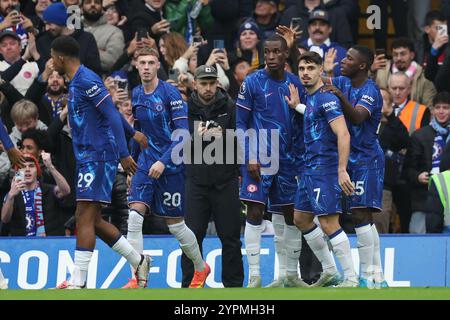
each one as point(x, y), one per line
point(362, 103)
point(158, 185)
point(262, 108)
point(325, 177)
point(99, 142)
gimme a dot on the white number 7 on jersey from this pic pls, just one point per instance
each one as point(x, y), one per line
point(318, 194)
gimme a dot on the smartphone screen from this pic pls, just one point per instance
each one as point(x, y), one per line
point(296, 22)
point(442, 29)
point(141, 33)
point(122, 85)
point(197, 39)
point(380, 51)
point(219, 44)
point(174, 74)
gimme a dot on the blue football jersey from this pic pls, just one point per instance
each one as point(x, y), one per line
point(366, 151)
point(261, 105)
point(157, 115)
point(92, 136)
point(321, 155)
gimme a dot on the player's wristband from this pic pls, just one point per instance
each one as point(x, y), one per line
point(300, 108)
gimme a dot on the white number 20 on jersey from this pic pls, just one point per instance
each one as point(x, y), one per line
point(85, 179)
point(172, 200)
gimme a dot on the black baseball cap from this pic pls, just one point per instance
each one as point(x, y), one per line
point(204, 72)
point(8, 33)
point(319, 15)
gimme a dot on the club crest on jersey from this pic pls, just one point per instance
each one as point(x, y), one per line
point(158, 107)
point(252, 188)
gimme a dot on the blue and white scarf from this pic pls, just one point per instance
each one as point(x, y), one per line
point(440, 140)
point(34, 213)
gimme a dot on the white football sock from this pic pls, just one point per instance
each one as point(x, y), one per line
point(341, 247)
point(188, 243)
point(134, 235)
point(252, 237)
point(377, 267)
point(124, 248)
point(364, 236)
point(278, 239)
point(81, 266)
point(319, 246)
point(293, 241)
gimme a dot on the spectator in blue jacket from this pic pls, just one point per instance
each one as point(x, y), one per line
point(319, 30)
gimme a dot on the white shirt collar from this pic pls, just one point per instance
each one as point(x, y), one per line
point(326, 42)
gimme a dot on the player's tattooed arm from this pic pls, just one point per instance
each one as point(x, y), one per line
point(356, 115)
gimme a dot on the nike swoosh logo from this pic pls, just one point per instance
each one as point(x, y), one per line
point(254, 254)
point(268, 95)
point(297, 251)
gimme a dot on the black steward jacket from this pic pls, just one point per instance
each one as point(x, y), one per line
point(222, 111)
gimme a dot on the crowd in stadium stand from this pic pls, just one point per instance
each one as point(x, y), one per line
point(412, 71)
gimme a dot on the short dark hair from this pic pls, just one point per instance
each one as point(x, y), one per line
point(277, 37)
point(311, 57)
point(39, 137)
point(441, 97)
point(403, 43)
point(434, 15)
point(366, 53)
point(66, 45)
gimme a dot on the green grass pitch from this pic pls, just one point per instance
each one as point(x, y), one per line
point(232, 294)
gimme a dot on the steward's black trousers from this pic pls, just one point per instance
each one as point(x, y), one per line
point(223, 205)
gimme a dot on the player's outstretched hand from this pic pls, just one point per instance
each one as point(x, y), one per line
point(289, 34)
point(128, 165)
point(16, 157)
point(254, 171)
point(294, 99)
point(141, 139)
point(345, 183)
point(156, 170)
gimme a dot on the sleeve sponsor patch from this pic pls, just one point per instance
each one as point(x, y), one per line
point(93, 91)
point(330, 106)
point(367, 99)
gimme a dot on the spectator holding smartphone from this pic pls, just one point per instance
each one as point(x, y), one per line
point(435, 43)
point(13, 20)
point(32, 208)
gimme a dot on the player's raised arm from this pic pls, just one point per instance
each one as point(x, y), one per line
point(357, 114)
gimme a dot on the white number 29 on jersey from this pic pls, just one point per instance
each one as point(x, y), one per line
point(85, 179)
point(172, 200)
